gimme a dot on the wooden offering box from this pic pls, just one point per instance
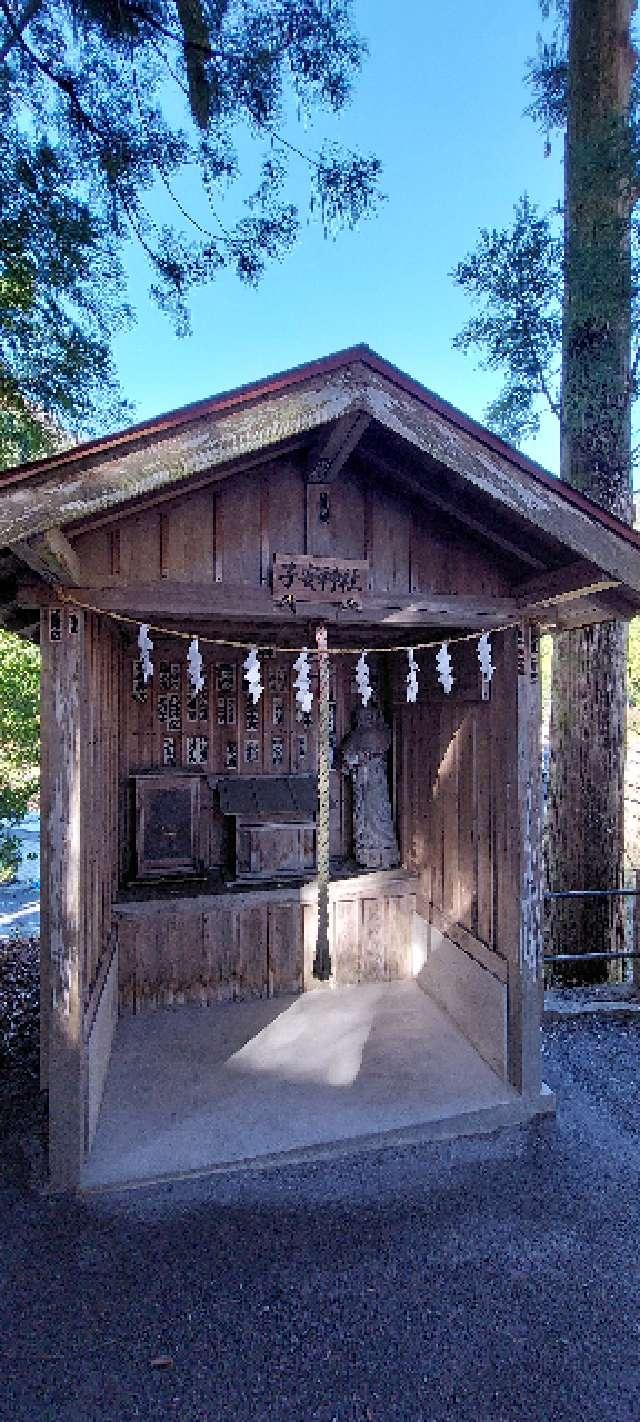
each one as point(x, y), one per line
point(275, 833)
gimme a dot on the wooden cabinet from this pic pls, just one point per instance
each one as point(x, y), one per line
point(275, 831)
point(274, 849)
point(167, 819)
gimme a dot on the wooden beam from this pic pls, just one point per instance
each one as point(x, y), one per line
point(237, 602)
point(561, 586)
point(525, 853)
point(29, 554)
point(427, 609)
point(584, 612)
point(575, 574)
point(333, 450)
point(576, 595)
point(61, 556)
point(51, 556)
point(322, 958)
point(489, 534)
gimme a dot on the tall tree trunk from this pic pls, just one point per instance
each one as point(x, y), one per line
point(588, 692)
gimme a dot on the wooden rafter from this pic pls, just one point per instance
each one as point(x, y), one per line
point(414, 485)
point(331, 453)
point(563, 585)
point(52, 556)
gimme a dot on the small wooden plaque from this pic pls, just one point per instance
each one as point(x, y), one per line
point(308, 579)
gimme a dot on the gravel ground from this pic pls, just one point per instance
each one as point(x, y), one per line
point(494, 1278)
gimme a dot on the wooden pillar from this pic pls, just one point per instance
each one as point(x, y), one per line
point(62, 810)
point(322, 960)
point(525, 967)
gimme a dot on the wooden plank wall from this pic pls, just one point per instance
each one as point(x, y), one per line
point(457, 792)
point(226, 952)
point(223, 733)
point(80, 704)
point(100, 825)
point(228, 532)
point(371, 937)
point(260, 944)
point(94, 655)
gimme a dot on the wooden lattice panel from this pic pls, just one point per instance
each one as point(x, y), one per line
point(220, 732)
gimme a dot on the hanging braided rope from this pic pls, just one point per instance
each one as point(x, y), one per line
point(64, 596)
point(322, 960)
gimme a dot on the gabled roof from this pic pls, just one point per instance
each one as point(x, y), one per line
point(257, 420)
point(269, 385)
point(285, 380)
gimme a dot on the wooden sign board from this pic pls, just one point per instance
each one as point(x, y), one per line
point(308, 579)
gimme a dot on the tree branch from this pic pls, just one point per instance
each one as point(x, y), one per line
point(62, 81)
point(553, 404)
point(18, 25)
point(207, 52)
point(204, 50)
point(226, 239)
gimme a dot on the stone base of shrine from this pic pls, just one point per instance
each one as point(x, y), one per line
point(198, 1089)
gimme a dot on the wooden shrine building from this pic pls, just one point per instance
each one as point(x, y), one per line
point(343, 508)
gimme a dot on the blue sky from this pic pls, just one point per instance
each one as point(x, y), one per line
point(441, 102)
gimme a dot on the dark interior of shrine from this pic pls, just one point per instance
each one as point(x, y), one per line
point(219, 793)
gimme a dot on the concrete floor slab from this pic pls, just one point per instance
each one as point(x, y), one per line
point(195, 1088)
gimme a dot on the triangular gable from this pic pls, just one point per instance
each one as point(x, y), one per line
point(244, 427)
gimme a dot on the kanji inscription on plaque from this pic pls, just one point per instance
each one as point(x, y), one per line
point(308, 579)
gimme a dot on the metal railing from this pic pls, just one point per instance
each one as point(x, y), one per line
point(633, 954)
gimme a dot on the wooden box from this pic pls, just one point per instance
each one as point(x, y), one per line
point(275, 831)
point(274, 849)
point(167, 818)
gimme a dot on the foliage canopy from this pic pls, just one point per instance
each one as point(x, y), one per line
point(19, 739)
point(107, 106)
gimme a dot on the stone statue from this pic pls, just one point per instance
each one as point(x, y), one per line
point(364, 758)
